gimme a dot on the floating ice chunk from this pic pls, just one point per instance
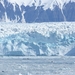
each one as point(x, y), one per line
point(20, 74)
point(29, 73)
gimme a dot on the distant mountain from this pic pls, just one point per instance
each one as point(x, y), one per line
point(37, 10)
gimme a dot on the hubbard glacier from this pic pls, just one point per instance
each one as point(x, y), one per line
point(37, 37)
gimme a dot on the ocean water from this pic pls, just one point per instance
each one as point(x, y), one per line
point(39, 65)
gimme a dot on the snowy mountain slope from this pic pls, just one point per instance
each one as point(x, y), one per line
point(37, 39)
point(47, 3)
point(37, 10)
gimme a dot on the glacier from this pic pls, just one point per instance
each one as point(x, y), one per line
point(37, 39)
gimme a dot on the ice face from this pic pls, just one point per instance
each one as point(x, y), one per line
point(37, 39)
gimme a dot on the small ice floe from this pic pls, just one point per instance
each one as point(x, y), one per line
point(20, 74)
point(29, 73)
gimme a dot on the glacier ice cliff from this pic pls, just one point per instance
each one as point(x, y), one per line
point(37, 39)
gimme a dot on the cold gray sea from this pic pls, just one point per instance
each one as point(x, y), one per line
point(41, 65)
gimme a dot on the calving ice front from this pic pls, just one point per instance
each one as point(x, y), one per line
point(37, 10)
point(37, 39)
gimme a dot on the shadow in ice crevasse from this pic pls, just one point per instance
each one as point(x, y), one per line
point(14, 53)
point(71, 52)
